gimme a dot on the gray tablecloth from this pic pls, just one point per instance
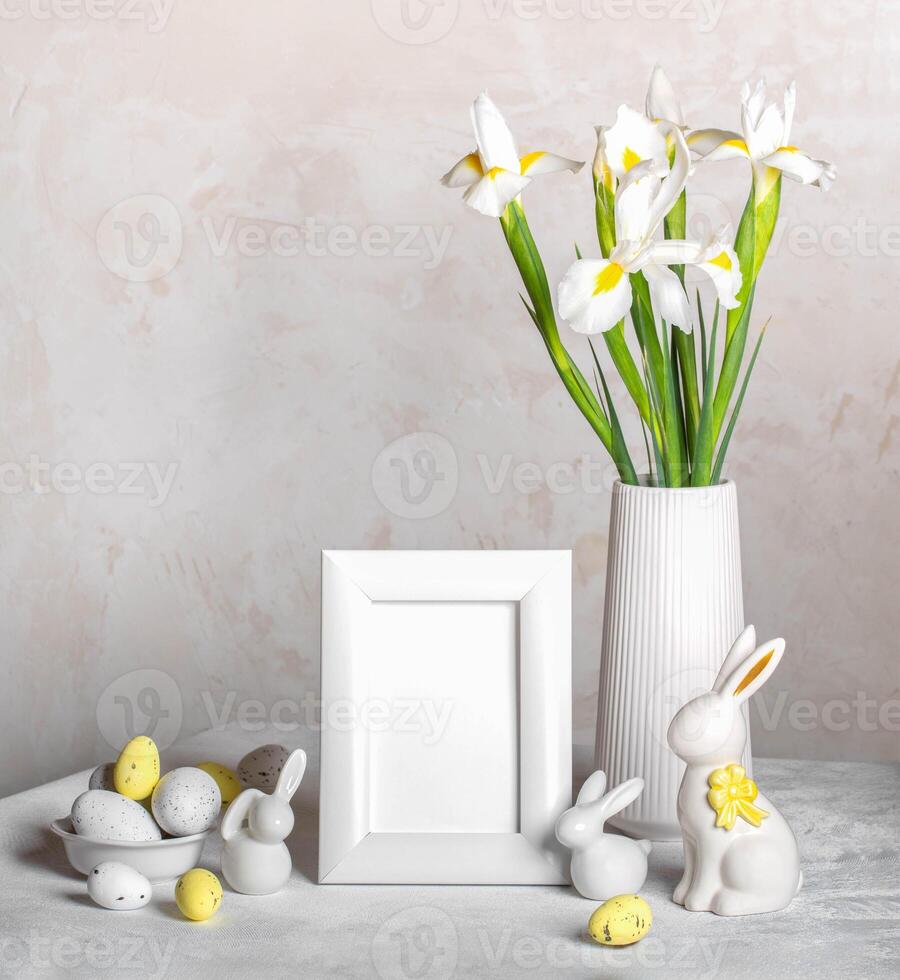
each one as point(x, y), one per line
point(844, 924)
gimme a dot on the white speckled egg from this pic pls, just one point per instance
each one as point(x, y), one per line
point(102, 777)
point(186, 801)
point(110, 816)
point(117, 886)
point(261, 767)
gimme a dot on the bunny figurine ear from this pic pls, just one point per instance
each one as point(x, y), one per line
point(592, 789)
point(291, 775)
point(623, 795)
point(750, 675)
point(742, 647)
point(237, 812)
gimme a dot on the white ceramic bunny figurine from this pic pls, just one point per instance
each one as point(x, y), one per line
point(255, 859)
point(603, 865)
point(740, 855)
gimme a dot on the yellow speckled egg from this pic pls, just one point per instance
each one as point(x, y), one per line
point(137, 768)
point(621, 921)
point(229, 785)
point(198, 894)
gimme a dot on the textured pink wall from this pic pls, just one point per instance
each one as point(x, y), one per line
point(291, 291)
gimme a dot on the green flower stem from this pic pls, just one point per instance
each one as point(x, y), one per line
point(675, 226)
point(528, 261)
point(751, 244)
point(660, 370)
point(706, 436)
point(604, 213)
point(617, 346)
point(604, 210)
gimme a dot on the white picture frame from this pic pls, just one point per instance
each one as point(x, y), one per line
point(413, 791)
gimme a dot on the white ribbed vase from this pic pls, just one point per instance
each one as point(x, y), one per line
point(674, 605)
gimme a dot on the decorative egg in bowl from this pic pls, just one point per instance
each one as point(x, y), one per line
point(157, 860)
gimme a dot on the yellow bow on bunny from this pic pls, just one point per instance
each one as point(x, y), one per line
point(732, 795)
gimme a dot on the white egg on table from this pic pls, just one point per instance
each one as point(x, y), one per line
point(186, 801)
point(119, 887)
point(260, 768)
point(102, 777)
point(109, 816)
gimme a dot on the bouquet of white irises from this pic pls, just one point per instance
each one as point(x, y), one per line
point(640, 172)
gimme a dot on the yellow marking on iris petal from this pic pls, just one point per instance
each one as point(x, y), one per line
point(722, 260)
point(494, 172)
point(737, 144)
point(629, 159)
point(530, 159)
point(788, 149)
point(754, 672)
point(474, 161)
point(608, 278)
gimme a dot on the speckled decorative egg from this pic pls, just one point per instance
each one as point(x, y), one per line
point(198, 894)
point(102, 778)
point(620, 921)
point(117, 886)
point(137, 768)
point(186, 801)
point(229, 785)
point(261, 768)
point(111, 816)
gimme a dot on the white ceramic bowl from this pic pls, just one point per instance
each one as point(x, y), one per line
point(158, 860)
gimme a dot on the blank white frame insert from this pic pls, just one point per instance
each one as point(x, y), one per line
point(446, 716)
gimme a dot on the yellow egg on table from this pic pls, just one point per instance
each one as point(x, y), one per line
point(198, 894)
point(229, 785)
point(621, 921)
point(137, 769)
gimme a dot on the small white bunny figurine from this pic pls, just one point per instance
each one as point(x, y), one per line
point(603, 865)
point(255, 860)
point(740, 856)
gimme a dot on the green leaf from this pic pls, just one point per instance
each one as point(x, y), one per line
point(706, 436)
point(703, 365)
point(731, 362)
point(675, 226)
point(660, 371)
point(745, 247)
point(726, 439)
point(656, 433)
point(621, 456)
point(686, 360)
point(628, 371)
point(531, 268)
